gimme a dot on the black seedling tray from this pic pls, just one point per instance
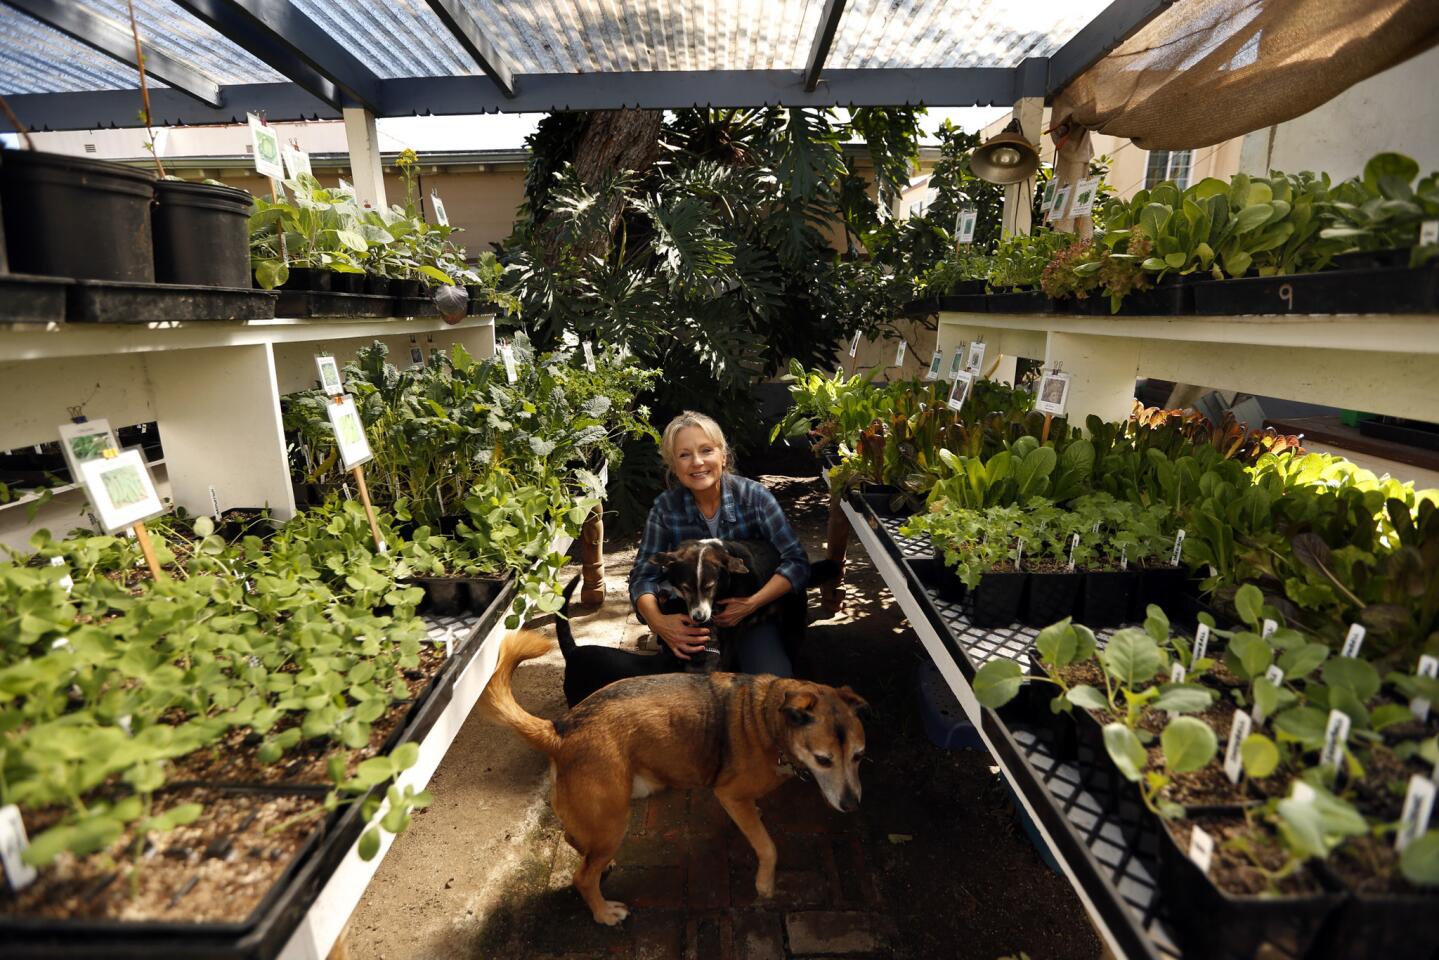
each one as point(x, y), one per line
point(1168, 299)
point(1412, 434)
point(1026, 301)
point(1376, 290)
point(314, 303)
point(972, 301)
point(108, 301)
point(416, 307)
point(29, 299)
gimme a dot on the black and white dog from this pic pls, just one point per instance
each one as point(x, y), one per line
point(702, 572)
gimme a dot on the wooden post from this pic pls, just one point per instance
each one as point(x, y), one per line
point(148, 549)
point(359, 473)
point(1019, 197)
point(838, 537)
point(592, 558)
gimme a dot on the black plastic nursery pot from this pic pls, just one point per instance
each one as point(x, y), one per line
point(1106, 597)
point(347, 282)
point(966, 301)
point(946, 579)
point(997, 599)
point(1214, 923)
point(1374, 290)
point(1165, 586)
point(1392, 926)
point(1171, 297)
point(1020, 301)
point(476, 294)
point(377, 286)
point(883, 499)
point(112, 301)
point(1050, 597)
point(1414, 433)
point(75, 217)
point(202, 234)
point(405, 288)
point(307, 279)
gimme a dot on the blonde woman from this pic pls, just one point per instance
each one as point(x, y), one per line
point(710, 501)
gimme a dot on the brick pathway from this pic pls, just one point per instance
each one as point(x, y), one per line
point(688, 876)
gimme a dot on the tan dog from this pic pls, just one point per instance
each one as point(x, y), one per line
point(739, 735)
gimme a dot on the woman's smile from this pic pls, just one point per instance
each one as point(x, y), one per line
point(699, 460)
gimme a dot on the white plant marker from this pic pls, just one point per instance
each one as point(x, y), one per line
point(1201, 642)
point(1353, 641)
point(13, 842)
point(1201, 849)
point(1178, 549)
point(1239, 728)
point(1428, 667)
point(1418, 806)
point(1336, 733)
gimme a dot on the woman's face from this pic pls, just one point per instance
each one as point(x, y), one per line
point(698, 460)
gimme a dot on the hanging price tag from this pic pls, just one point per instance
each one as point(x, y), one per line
point(1059, 210)
point(1047, 198)
point(1178, 549)
point(507, 354)
point(1201, 849)
point(959, 390)
point(956, 363)
point(934, 364)
point(1053, 394)
point(13, 842)
point(1239, 728)
point(975, 363)
point(1418, 806)
point(589, 350)
point(1201, 642)
point(899, 353)
point(1353, 641)
point(265, 145)
point(297, 161)
point(1428, 667)
point(966, 221)
point(1336, 733)
point(1084, 194)
point(854, 344)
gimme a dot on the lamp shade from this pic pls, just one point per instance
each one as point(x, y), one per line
point(1006, 157)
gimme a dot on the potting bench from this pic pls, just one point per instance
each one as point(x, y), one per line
point(214, 386)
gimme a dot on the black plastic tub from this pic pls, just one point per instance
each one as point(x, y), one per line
point(378, 286)
point(477, 299)
point(109, 301)
point(27, 299)
point(1413, 433)
point(347, 282)
point(1020, 301)
point(1106, 598)
point(1392, 926)
point(202, 234)
point(997, 599)
point(1213, 923)
point(1172, 297)
point(405, 289)
point(1050, 597)
point(76, 217)
point(313, 303)
point(884, 500)
point(1377, 290)
point(307, 279)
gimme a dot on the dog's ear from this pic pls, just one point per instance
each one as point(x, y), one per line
point(735, 564)
point(798, 707)
point(664, 559)
point(857, 703)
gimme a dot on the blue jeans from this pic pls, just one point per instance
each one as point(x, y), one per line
point(761, 650)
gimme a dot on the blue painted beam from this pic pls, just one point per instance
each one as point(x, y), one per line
point(1115, 24)
point(104, 109)
point(102, 35)
point(823, 38)
point(278, 33)
point(472, 37)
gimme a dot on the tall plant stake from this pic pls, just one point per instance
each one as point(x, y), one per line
point(144, 88)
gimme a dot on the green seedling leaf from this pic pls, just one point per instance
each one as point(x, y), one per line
point(1387, 715)
point(1183, 698)
point(1249, 602)
point(1317, 824)
point(1304, 725)
point(997, 682)
point(406, 754)
point(1298, 662)
point(1259, 755)
point(1083, 695)
point(174, 817)
point(1188, 744)
point(1132, 657)
point(1125, 750)
point(1253, 653)
point(1420, 861)
point(1350, 673)
point(370, 843)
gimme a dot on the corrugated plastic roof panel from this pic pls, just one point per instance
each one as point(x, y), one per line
point(35, 58)
point(394, 38)
point(184, 37)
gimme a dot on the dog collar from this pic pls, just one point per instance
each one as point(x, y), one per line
point(795, 769)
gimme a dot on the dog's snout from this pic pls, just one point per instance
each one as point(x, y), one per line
point(849, 801)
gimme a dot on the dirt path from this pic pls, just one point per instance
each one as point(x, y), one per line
point(933, 866)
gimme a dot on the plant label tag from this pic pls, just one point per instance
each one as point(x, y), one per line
point(442, 218)
point(1428, 667)
point(959, 389)
point(296, 162)
point(66, 581)
point(899, 352)
point(507, 354)
point(1275, 675)
point(975, 364)
point(1336, 733)
point(13, 842)
point(1239, 728)
point(1178, 549)
point(854, 344)
point(350, 438)
point(214, 504)
point(956, 363)
point(1047, 199)
point(1124, 557)
point(1018, 553)
point(1084, 193)
point(1428, 232)
point(348, 496)
point(1270, 626)
point(1059, 209)
point(935, 362)
point(383, 547)
point(589, 350)
point(1201, 849)
point(1353, 641)
point(417, 356)
point(1177, 673)
point(1418, 805)
point(968, 218)
point(265, 144)
point(124, 723)
point(1201, 642)
point(1073, 542)
point(329, 370)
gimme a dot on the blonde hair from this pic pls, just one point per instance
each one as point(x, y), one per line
point(685, 420)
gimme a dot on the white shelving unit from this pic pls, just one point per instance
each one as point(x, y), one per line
point(1380, 364)
point(213, 386)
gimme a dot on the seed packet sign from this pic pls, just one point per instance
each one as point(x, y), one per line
point(121, 490)
point(1059, 209)
point(935, 362)
point(329, 369)
point(976, 357)
point(956, 363)
point(266, 146)
point(1084, 193)
point(442, 218)
point(297, 162)
point(968, 217)
point(1053, 395)
point(349, 433)
point(959, 389)
point(85, 441)
point(1047, 200)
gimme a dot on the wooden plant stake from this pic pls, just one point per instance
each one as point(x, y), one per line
point(148, 549)
point(1044, 432)
point(359, 473)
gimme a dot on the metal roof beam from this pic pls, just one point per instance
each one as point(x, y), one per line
point(108, 109)
point(278, 33)
point(472, 37)
point(819, 49)
point(104, 36)
point(1115, 24)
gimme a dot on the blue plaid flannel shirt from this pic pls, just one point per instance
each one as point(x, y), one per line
point(748, 511)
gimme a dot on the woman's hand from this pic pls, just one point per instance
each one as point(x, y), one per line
point(735, 609)
point(679, 633)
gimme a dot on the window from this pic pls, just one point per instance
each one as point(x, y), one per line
point(1168, 165)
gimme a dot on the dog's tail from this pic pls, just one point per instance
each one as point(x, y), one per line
point(822, 571)
point(562, 622)
point(498, 700)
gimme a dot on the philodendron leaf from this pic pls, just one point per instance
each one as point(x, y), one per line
point(1259, 755)
point(1083, 695)
point(1352, 674)
point(1183, 698)
point(1420, 861)
point(1132, 656)
point(1250, 604)
point(997, 682)
point(1188, 744)
point(1125, 750)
